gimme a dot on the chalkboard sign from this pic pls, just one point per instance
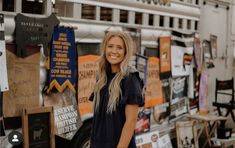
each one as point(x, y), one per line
point(38, 127)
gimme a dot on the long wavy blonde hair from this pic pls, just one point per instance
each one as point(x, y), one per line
point(114, 88)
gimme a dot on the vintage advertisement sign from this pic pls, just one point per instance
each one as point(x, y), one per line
point(62, 72)
point(3, 67)
point(23, 76)
point(33, 31)
point(66, 116)
point(87, 72)
point(165, 57)
point(143, 121)
point(181, 53)
point(153, 93)
point(179, 97)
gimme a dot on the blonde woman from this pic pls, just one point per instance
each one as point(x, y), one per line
point(117, 94)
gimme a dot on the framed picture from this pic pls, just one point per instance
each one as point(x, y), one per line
point(213, 41)
point(186, 134)
point(141, 66)
point(38, 127)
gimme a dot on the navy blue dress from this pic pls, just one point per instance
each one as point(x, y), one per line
point(107, 127)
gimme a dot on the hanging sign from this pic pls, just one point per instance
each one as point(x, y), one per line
point(23, 77)
point(66, 116)
point(33, 31)
point(181, 53)
point(3, 67)
point(165, 57)
point(63, 60)
point(87, 72)
point(153, 93)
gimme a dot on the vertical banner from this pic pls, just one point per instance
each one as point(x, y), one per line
point(23, 76)
point(203, 91)
point(153, 93)
point(181, 53)
point(87, 72)
point(3, 67)
point(165, 57)
point(62, 72)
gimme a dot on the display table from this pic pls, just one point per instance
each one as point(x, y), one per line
point(224, 142)
point(208, 123)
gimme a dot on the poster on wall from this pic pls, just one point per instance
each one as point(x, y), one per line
point(179, 100)
point(33, 31)
point(165, 57)
point(213, 41)
point(23, 76)
point(3, 65)
point(62, 72)
point(66, 116)
point(87, 72)
point(153, 92)
point(181, 53)
point(207, 54)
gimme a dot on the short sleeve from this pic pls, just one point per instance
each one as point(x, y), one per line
point(132, 87)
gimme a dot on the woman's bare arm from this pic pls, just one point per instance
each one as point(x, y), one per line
point(131, 112)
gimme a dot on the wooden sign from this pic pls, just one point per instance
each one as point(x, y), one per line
point(23, 76)
point(38, 127)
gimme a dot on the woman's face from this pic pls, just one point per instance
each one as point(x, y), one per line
point(115, 52)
